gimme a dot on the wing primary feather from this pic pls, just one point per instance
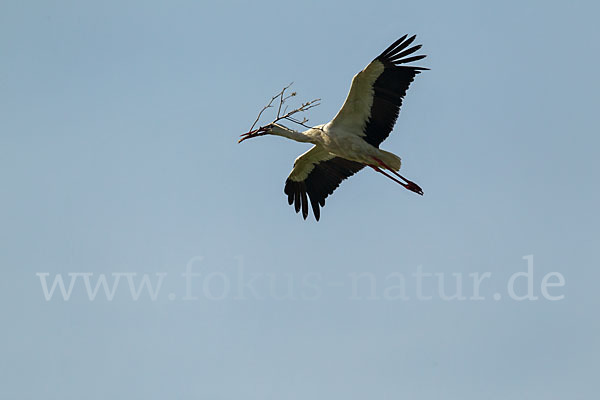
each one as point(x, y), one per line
point(405, 53)
point(289, 190)
point(411, 59)
point(401, 47)
point(297, 197)
point(304, 203)
point(393, 46)
point(315, 208)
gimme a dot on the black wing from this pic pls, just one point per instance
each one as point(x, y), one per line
point(376, 94)
point(316, 174)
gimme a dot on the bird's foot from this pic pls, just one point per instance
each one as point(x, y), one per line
point(414, 187)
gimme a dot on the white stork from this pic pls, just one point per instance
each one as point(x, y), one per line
point(351, 140)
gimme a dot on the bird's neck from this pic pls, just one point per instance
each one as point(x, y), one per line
point(281, 130)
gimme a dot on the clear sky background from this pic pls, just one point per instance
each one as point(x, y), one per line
point(118, 153)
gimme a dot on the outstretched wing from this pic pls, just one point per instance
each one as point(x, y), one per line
point(376, 94)
point(316, 174)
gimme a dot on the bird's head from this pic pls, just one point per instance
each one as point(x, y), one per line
point(263, 130)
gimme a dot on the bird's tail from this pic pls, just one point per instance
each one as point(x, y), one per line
point(391, 160)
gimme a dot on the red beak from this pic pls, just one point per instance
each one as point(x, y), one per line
point(257, 132)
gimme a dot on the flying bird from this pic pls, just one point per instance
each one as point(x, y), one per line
point(350, 141)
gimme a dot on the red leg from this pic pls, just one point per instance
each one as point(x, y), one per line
point(408, 185)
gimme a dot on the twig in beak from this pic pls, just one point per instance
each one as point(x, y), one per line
point(285, 115)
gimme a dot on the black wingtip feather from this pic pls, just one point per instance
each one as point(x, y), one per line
point(315, 207)
point(400, 47)
point(397, 59)
point(394, 55)
point(411, 59)
point(289, 191)
point(393, 46)
point(297, 197)
point(304, 203)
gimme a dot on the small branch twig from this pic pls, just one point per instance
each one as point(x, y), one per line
point(287, 115)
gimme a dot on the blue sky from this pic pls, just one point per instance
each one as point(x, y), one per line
point(118, 154)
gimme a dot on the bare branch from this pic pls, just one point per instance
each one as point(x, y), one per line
point(287, 115)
